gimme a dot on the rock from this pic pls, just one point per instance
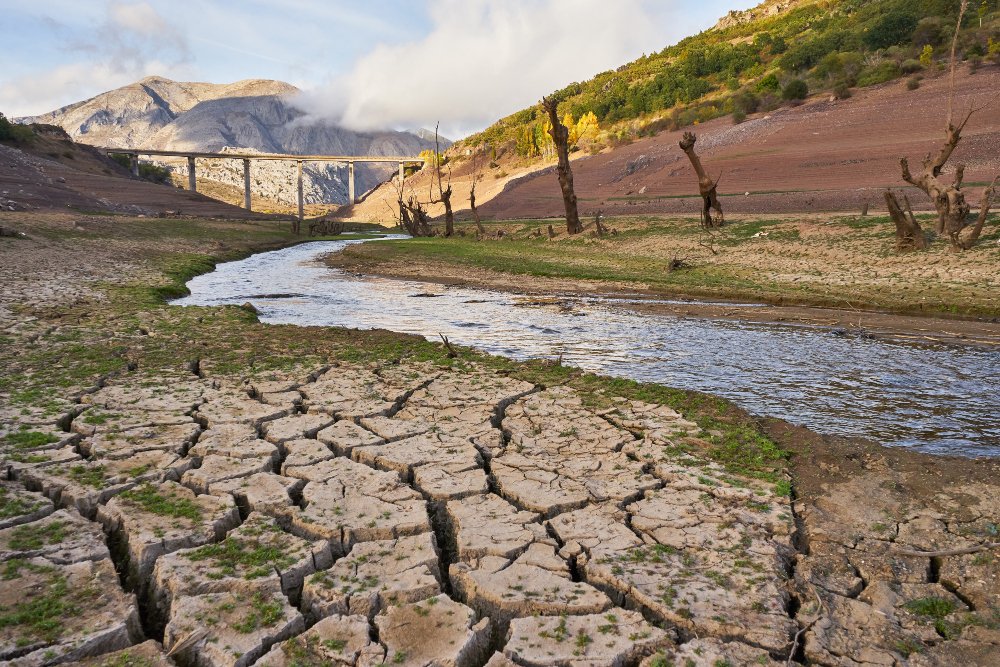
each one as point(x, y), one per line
point(617, 637)
point(436, 631)
point(375, 575)
point(67, 612)
point(229, 629)
point(155, 520)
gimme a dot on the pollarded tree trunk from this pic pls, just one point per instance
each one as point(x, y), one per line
point(475, 211)
point(706, 186)
point(949, 200)
point(909, 235)
point(560, 137)
point(449, 215)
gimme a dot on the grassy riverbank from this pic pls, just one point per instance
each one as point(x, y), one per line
point(817, 260)
point(87, 301)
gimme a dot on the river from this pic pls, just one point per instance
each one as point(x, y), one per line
point(934, 398)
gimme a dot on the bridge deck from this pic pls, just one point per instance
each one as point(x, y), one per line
point(264, 156)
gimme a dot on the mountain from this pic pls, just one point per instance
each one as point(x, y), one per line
point(160, 114)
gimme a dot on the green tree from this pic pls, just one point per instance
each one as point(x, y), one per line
point(796, 89)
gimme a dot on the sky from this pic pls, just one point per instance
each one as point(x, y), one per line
point(376, 64)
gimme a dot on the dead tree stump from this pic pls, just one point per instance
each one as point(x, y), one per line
point(909, 235)
point(706, 186)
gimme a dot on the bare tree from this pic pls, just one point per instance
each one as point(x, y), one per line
point(949, 199)
point(560, 137)
point(444, 194)
point(476, 169)
point(412, 215)
point(706, 186)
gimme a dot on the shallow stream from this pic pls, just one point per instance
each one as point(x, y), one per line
point(938, 399)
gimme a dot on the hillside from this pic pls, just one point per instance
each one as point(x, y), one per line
point(157, 113)
point(823, 155)
point(756, 61)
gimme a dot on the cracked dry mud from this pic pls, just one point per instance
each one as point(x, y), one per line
point(416, 516)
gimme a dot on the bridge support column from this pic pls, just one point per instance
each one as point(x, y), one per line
point(402, 173)
point(246, 184)
point(302, 214)
point(192, 180)
point(134, 164)
point(350, 183)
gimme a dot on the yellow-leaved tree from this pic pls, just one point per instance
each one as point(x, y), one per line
point(587, 126)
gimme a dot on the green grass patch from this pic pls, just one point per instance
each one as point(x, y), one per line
point(168, 503)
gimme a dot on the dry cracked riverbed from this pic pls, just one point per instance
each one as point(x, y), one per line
point(410, 515)
point(183, 486)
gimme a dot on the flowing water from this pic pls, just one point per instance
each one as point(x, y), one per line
point(933, 398)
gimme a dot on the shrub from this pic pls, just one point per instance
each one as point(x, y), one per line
point(738, 116)
point(745, 102)
point(929, 32)
point(912, 83)
point(892, 28)
point(841, 90)
point(796, 89)
point(769, 83)
point(14, 132)
point(885, 71)
point(910, 66)
point(927, 56)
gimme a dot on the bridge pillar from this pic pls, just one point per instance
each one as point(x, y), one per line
point(402, 173)
point(350, 183)
point(134, 164)
point(246, 183)
point(301, 197)
point(192, 180)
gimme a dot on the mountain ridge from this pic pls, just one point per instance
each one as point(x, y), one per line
point(157, 113)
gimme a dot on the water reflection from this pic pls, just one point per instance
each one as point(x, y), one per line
point(936, 399)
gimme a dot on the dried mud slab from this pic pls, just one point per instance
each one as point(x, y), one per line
point(616, 638)
point(228, 409)
point(336, 641)
point(230, 629)
point(375, 575)
point(436, 631)
point(258, 555)
point(147, 654)
point(215, 469)
point(63, 612)
point(531, 585)
point(83, 486)
point(345, 435)
point(62, 537)
point(171, 396)
point(304, 452)
point(173, 438)
point(712, 652)
point(18, 505)
point(235, 441)
point(487, 525)
point(295, 427)
point(155, 520)
point(354, 503)
point(263, 492)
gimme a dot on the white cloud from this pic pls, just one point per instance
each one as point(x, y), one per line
point(483, 59)
point(133, 34)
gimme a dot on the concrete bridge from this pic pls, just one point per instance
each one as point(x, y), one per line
point(191, 156)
